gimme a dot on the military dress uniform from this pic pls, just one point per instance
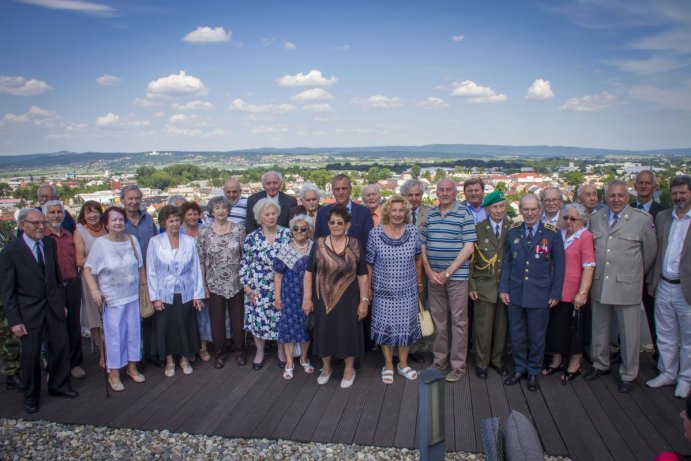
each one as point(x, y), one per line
point(490, 312)
point(532, 274)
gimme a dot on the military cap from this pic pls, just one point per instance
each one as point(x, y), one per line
point(494, 197)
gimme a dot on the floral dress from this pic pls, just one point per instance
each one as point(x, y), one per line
point(292, 326)
point(257, 273)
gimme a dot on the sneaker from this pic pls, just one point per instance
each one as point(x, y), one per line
point(682, 390)
point(455, 375)
point(659, 381)
point(78, 372)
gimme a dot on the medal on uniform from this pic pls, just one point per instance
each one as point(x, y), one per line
point(515, 241)
point(486, 240)
point(537, 256)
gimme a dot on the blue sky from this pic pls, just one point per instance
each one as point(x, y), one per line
point(134, 75)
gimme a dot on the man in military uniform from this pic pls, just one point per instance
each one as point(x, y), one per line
point(531, 283)
point(625, 249)
point(485, 272)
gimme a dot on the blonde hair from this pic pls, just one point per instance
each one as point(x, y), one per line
point(386, 209)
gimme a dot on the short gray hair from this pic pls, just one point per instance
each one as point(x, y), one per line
point(174, 198)
point(580, 189)
point(529, 196)
point(302, 218)
point(616, 182)
point(24, 212)
point(543, 192)
point(650, 172)
point(412, 183)
point(580, 209)
point(215, 201)
point(309, 187)
point(272, 173)
point(261, 205)
point(50, 203)
point(53, 189)
point(129, 188)
point(370, 186)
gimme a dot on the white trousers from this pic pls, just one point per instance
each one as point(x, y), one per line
point(121, 326)
point(673, 327)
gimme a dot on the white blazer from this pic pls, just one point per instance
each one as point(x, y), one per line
point(165, 270)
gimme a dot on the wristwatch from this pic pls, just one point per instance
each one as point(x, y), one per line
point(364, 299)
point(446, 274)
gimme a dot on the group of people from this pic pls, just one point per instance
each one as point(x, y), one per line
point(340, 279)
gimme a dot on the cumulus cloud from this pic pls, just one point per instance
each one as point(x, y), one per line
point(263, 129)
point(290, 46)
point(379, 101)
point(193, 105)
point(241, 106)
point(311, 78)
point(540, 90)
point(35, 116)
point(108, 80)
point(208, 35)
point(147, 102)
point(457, 38)
point(20, 86)
point(590, 103)
point(110, 119)
point(433, 103)
point(95, 9)
point(177, 84)
point(266, 41)
point(474, 93)
point(181, 131)
point(344, 47)
point(312, 95)
point(182, 118)
point(324, 107)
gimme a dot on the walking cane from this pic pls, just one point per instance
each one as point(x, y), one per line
point(105, 352)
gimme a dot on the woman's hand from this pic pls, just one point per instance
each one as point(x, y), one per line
point(97, 298)
point(158, 305)
point(362, 309)
point(473, 295)
point(307, 306)
point(251, 295)
point(198, 304)
point(579, 300)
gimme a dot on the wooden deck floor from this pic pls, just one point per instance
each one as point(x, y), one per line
point(584, 420)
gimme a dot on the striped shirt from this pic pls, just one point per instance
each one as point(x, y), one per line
point(445, 236)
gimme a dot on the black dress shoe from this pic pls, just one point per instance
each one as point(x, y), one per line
point(241, 360)
point(481, 373)
point(416, 357)
point(14, 382)
point(503, 372)
point(532, 383)
point(625, 386)
point(281, 364)
point(68, 394)
point(31, 407)
point(219, 363)
point(257, 366)
point(513, 379)
point(594, 374)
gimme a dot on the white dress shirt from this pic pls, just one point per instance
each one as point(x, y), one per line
point(677, 234)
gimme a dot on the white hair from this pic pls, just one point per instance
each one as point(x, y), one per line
point(50, 203)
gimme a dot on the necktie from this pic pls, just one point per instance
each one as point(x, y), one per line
point(414, 217)
point(641, 207)
point(614, 221)
point(530, 234)
point(39, 257)
point(496, 232)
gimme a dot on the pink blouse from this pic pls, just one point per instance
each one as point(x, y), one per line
point(580, 253)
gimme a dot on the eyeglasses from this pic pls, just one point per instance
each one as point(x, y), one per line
point(571, 218)
point(336, 223)
point(550, 200)
point(300, 229)
point(36, 223)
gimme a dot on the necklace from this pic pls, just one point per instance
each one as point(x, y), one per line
point(95, 229)
point(300, 247)
point(342, 252)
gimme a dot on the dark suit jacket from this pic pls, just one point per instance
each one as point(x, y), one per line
point(360, 225)
point(655, 208)
point(663, 224)
point(285, 201)
point(26, 291)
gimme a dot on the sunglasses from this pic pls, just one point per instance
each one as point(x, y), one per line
point(571, 218)
point(300, 229)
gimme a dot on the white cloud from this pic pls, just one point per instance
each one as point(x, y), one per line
point(344, 47)
point(208, 35)
point(35, 116)
point(379, 101)
point(108, 80)
point(187, 132)
point(312, 95)
point(240, 105)
point(266, 41)
point(290, 46)
point(194, 105)
point(108, 120)
point(590, 103)
point(540, 90)
point(312, 78)
point(457, 38)
point(20, 86)
point(177, 84)
point(324, 107)
point(147, 102)
point(675, 98)
point(262, 129)
point(182, 118)
point(474, 93)
point(433, 103)
point(652, 65)
point(95, 9)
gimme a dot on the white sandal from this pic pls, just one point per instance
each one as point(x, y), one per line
point(407, 372)
point(287, 373)
point(307, 366)
point(386, 376)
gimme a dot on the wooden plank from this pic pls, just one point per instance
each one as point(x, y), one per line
point(543, 421)
point(292, 416)
point(480, 402)
point(310, 418)
point(330, 418)
point(657, 409)
point(391, 407)
point(464, 427)
point(369, 413)
point(407, 416)
point(270, 418)
point(357, 398)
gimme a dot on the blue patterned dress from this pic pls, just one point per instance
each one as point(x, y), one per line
point(394, 286)
point(292, 327)
point(257, 273)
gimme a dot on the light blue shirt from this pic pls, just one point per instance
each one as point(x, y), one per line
point(31, 243)
point(169, 272)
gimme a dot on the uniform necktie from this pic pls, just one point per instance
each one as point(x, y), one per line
point(614, 221)
point(530, 234)
point(414, 217)
point(496, 232)
point(641, 207)
point(39, 257)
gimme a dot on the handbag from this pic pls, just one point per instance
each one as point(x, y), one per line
point(146, 309)
point(426, 324)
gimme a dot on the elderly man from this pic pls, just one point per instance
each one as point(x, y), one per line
point(361, 222)
point(551, 200)
point(447, 244)
point(587, 196)
point(413, 190)
point(371, 198)
point(139, 223)
point(485, 273)
point(54, 212)
point(645, 186)
point(35, 307)
point(531, 282)
point(670, 280)
point(271, 182)
point(474, 191)
point(625, 247)
point(232, 189)
point(47, 192)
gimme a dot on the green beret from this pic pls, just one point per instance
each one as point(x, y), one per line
point(494, 197)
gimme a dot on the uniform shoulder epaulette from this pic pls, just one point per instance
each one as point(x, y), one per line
point(551, 227)
point(641, 211)
point(515, 225)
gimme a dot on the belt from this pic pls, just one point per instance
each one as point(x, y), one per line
point(673, 282)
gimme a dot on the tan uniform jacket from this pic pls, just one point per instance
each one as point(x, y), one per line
point(485, 268)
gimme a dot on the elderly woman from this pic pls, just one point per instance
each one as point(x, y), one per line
point(257, 276)
point(112, 272)
point(565, 332)
point(336, 286)
point(289, 267)
point(89, 228)
point(220, 253)
point(392, 251)
point(192, 226)
point(309, 201)
point(176, 290)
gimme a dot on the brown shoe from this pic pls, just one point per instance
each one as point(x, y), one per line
point(455, 375)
